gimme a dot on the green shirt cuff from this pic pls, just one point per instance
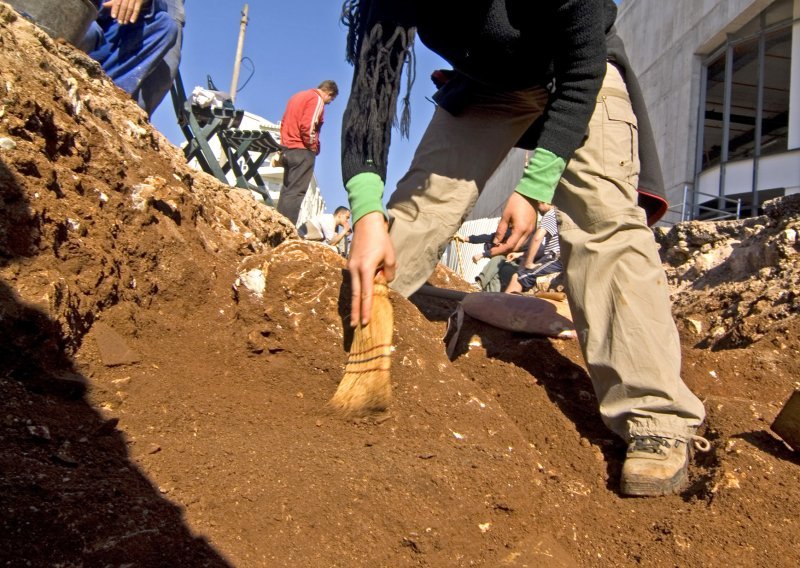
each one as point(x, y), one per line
point(541, 176)
point(365, 192)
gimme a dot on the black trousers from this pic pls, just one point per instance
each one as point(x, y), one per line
point(298, 167)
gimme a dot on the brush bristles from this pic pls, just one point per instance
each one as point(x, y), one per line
point(366, 386)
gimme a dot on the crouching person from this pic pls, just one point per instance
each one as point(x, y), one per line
point(586, 138)
point(325, 228)
point(543, 256)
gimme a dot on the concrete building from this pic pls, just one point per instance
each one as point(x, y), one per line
point(722, 83)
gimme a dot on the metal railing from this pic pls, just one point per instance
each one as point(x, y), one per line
point(689, 208)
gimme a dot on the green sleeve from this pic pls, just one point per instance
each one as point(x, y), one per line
point(365, 192)
point(541, 176)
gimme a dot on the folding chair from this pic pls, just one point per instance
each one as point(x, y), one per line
point(199, 125)
point(243, 145)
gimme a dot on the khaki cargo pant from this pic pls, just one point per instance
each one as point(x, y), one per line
point(616, 285)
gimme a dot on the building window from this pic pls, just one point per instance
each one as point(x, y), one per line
point(744, 100)
point(777, 70)
point(714, 114)
point(744, 125)
point(746, 105)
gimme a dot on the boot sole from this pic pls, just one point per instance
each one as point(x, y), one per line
point(640, 486)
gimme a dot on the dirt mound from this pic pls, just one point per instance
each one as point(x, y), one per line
point(737, 281)
point(169, 348)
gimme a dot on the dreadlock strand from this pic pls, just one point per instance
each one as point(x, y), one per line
point(351, 18)
point(371, 111)
point(409, 58)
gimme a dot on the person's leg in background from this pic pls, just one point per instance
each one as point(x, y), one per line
point(489, 278)
point(129, 53)
point(298, 167)
point(156, 86)
point(508, 268)
point(521, 282)
point(619, 298)
point(309, 232)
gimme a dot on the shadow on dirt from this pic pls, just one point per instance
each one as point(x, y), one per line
point(770, 444)
point(343, 308)
point(566, 384)
point(69, 494)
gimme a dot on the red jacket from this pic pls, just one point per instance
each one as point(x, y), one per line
point(302, 120)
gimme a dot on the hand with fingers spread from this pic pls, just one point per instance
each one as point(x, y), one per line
point(125, 11)
point(519, 216)
point(370, 249)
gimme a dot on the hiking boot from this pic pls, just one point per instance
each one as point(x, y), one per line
point(657, 466)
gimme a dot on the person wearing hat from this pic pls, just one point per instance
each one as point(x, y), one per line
point(550, 77)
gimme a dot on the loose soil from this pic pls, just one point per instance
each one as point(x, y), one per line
point(169, 346)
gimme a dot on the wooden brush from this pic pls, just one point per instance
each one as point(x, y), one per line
point(366, 387)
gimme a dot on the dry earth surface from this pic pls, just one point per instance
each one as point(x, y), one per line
point(168, 348)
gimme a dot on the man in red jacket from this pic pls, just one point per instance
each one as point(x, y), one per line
point(300, 130)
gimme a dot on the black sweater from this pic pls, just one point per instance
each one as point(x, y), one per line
point(492, 45)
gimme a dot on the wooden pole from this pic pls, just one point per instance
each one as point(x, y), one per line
point(239, 47)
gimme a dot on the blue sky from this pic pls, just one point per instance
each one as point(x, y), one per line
point(293, 46)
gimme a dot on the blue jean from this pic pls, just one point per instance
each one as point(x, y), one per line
point(129, 54)
point(156, 86)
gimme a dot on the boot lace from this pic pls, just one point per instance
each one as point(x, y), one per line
point(700, 443)
point(649, 444)
point(656, 444)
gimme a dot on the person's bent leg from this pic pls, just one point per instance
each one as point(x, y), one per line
point(157, 84)
point(514, 287)
point(508, 270)
point(310, 232)
point(133, 51)
point(617, 287)
point(298, 164)
point(488, 276)
point(452, 163)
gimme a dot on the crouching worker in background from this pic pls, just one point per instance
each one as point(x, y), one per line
point(325, 228)
point(543, 254)
point(130, 39)
point(497, 273)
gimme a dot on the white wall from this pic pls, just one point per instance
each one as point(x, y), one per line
point(458, 256)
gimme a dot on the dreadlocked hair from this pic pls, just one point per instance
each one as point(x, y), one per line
point(379, 55)
point(351, 16)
